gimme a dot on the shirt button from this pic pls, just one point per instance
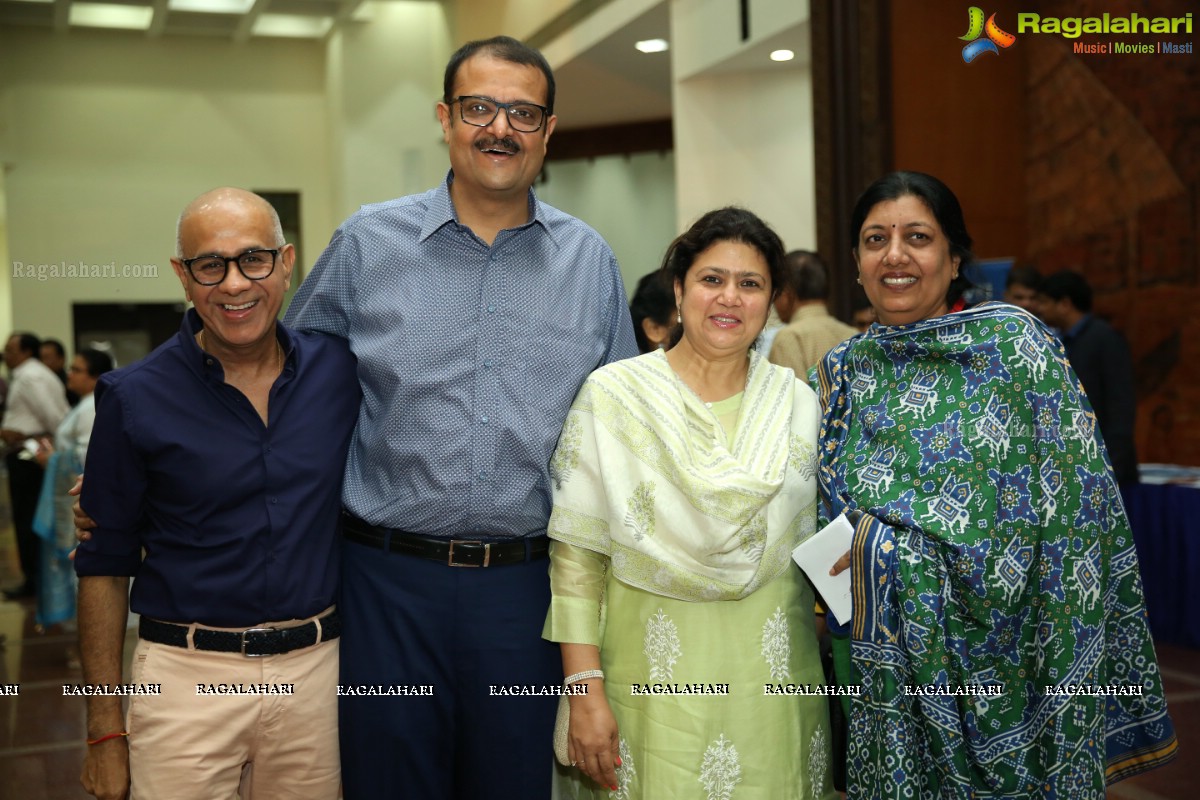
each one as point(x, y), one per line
point(491, 309)
point(274, 500)
point(488, 363)
point(483, 473)
point(484, 420)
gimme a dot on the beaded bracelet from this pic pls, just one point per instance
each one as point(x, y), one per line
point(583, 676)
point(107, 736)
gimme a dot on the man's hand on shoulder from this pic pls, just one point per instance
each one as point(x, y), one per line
point(83, 523)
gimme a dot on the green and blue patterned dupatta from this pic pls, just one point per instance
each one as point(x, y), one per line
point(991, 549)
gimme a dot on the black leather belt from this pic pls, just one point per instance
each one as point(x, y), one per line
point(451, 552)
point(252, 642)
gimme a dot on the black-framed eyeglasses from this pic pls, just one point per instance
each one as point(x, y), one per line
point(209, 270)
point(480, 111)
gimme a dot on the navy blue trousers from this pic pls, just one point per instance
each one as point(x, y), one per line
point(410, 622)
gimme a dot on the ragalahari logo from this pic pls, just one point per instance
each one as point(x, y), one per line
point(995, 40)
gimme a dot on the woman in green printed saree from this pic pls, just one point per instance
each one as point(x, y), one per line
point(683, 479)
point(998, 633)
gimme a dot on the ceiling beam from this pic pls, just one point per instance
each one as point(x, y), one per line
point(346, 10)
point(246, 24)
point(158, 22)
point(62, 15)
point(607, 140)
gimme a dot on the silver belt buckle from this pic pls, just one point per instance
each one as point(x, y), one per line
point(487, 553)
point(253, 630)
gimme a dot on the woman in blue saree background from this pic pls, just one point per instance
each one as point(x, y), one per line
point(63, 460)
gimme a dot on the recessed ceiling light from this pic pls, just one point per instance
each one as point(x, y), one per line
point(212, 6)
point(293, 25)
point(106, 15)
point(652, 45)
point(782, 55)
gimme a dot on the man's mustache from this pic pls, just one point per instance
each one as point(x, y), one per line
point(505, 145)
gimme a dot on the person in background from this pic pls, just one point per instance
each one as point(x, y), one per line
point(466, 384)
point(991, 552)
point(37, 402)
point(62, 459)
point(811, 331)
point(1100, 357)
point(214, 477)
point(864, 317)
point(1023, 289)
point(766, 339)
point(54, 356)
point(653, 312)
point(683, 479)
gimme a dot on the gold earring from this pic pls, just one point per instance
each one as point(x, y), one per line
point(859, 281)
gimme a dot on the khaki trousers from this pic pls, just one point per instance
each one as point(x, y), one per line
point(189, 745)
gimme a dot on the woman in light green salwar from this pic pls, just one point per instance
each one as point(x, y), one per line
point(683, 480)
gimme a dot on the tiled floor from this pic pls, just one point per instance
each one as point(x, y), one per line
point(41, 732)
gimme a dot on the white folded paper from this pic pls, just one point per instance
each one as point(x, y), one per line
point(816, 554)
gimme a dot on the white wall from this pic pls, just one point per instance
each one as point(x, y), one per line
point(747, 137)
point(629, 200)
point(483, 19)
point(5, 273)
point(743, 124)
point(107, 135)
point(384, 79)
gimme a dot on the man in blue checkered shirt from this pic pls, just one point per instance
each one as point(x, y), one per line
point(475, 311)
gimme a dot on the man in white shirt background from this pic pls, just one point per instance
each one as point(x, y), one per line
point(37, 402)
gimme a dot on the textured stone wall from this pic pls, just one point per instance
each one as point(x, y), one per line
point(1112, 182)
point(1073, 160)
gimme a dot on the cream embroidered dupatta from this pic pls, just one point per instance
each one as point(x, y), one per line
point(644, 474)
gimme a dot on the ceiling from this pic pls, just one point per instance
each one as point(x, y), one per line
point(610, 83)
point(613, 83)
point(236, 19)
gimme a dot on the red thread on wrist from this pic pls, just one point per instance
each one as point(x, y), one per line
point(107, 736)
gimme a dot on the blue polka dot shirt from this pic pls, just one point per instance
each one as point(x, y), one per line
point(469, 357)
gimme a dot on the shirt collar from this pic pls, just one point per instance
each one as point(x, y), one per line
point(1077, 328)
point(27, 365)
point(441, 210)
point(206, 362)
point(809, 310)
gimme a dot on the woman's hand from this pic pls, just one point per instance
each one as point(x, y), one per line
point(592, 741)
point(841, 565)
point(45, 450)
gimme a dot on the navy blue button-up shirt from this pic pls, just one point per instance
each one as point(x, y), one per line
point(239, 520)
point(469, 357)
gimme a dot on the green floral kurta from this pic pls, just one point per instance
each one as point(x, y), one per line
point(686, 532)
